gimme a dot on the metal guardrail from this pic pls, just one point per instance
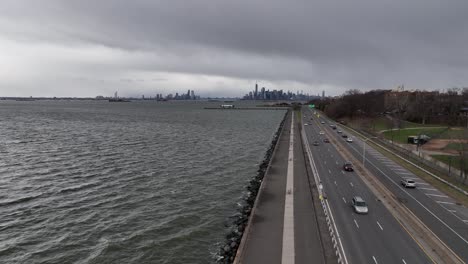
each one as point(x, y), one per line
point(333, 230)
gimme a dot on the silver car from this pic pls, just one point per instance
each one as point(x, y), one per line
point(408, 183)
point(359, 205)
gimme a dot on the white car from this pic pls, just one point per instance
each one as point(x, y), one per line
point(322, 133)
point(306, 124)
point(408, 183)
point(350, 140)
point(359, 205)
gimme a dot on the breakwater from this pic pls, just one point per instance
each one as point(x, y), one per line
point(246, 108)
point(238, 223)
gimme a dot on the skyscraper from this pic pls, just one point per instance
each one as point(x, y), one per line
point(323, 94)
point(256, 91)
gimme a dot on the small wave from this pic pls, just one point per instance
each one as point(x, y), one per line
point(78, 188)
point(19, 200)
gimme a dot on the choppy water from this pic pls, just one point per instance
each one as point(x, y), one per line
point(140, 182)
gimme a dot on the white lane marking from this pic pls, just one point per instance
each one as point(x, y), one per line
point(329, 171)
point(344, 200)
point(404, 262)
point(336, 184)
point(342, 172)
point(437, 195)
point(288, 254)
point(337, 163)
point(351, 184)
point(356, 223)
point(428, 189)
point(452, 211)
point(444, 202)
point(466, 221)
point(375, 260)
point(422, 183)
point(325, 162)
point(380, 225)
point(417, 201)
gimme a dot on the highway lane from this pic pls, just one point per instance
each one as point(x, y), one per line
point(373, 238)
point(431, 209)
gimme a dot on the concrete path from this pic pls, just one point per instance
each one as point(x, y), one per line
point(278, 235)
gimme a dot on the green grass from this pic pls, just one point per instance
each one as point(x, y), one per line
point(381, 123)
point(407, 124)
point(453, 161)
point(401, 135)
point(455, 133)
point(457, 146)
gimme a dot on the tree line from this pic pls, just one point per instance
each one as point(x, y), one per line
point(435, 107)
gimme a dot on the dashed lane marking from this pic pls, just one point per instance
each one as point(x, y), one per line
point(404, 262)
point(422, 183)
point(442, 202)
point(427, 189)
point(351, 184)
point(375, 260)
point(344, 200)
point(437, 195)
point(381, 228)
point(356, 223)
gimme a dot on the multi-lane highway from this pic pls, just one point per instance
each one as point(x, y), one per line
point(372, 238)
point(378, 237)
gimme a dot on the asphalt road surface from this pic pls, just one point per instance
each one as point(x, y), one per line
point(440, 213)
point(376, 237)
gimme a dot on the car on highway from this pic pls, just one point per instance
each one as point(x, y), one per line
point(323, 122)
point(344, 135)
point(306, 124)
point(326, 140)
point(359, 205)
point(339, 131)
point(350, 140)
point(316, 143)
point(348, 166)
point(322, 133)
point(408, 183)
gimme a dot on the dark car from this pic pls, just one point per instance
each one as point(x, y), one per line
point(345, 136)
point(326, 140)
point(316, 143)
point(348, 166)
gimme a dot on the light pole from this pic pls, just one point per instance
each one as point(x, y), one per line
point(364, 151)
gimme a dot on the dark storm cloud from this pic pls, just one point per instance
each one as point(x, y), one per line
point(352, 44)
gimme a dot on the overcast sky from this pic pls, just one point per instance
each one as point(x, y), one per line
point(222, 47)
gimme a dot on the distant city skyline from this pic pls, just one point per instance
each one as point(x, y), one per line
point(83, 48)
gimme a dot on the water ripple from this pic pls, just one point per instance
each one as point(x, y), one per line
point(95, 182)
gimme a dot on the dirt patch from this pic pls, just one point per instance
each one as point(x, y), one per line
point(440, 144)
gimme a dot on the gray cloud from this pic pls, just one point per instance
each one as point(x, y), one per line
point(311, 45)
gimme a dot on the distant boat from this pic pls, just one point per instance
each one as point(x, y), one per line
point(118, 100)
